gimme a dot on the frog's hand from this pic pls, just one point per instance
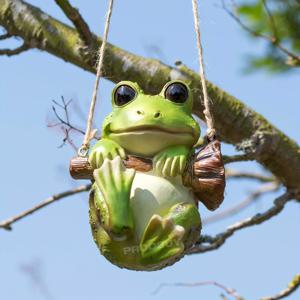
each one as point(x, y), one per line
point(162, 241)
point(171, 161)
point(115, 181)
point(105, 149)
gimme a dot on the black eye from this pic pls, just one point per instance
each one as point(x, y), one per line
point(177, 92)
point(123, 95)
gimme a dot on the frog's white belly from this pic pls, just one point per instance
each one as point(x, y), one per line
point(152, 194)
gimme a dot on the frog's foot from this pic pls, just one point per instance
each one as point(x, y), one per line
point(187, 216)
point(114, 182)
point(171, 161)
point(105, 149)
point(161, 241)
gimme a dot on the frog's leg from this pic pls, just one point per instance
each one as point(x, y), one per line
point(114, 182)
point(166, 237)
point(121, 252)
point(187, 216)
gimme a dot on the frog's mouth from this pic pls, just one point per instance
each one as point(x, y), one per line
point(148, 140)
point(154, 129)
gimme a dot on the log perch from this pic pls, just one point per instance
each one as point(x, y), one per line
point(204, 174)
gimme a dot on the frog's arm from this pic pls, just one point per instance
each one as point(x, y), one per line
point(105, 148)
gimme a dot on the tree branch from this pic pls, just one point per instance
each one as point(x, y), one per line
point(10, 52)
point(4, 36)
point(237, 158)
point(217, 241)
point(251, 131)
point(250, 199)
point(248, 175)
point(292, 287)
point(6, 224)
point(75, 17)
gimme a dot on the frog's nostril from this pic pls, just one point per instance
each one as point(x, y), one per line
point(139, 112)
point(157, 114)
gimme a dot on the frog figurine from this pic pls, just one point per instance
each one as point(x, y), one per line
point(145, 220)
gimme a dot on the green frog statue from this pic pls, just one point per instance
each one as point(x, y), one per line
point(145, 220)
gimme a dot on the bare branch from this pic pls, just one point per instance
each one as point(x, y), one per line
point(10, 52)
point(66, 121)
point(229, 291)
point(75, 17)
point(250, 199)
point(272, 39)
point(292, 287)
point(248, 175)
point(5, 36)
point(217, 241)
point(237, 158)
point(65, 125)
point(6, 224)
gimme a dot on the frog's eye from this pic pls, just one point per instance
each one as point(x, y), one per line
point(124, 94)
point(177, 92)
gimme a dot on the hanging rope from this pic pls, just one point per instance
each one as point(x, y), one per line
point(211, 132)
point(83, 150)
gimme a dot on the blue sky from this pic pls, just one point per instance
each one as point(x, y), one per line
point(56, 242)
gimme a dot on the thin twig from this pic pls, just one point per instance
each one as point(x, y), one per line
point(229, 291)
point(235, 174)
point(76, 18)
point(10, 52)
point(292, 287)
point(217, 241)
point(250, 199)
point(65, 122)
point(271, 19)
point(6, 224)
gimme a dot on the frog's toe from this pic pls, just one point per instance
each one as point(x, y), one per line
point(121, 152)
point(178, 232)
point(182, 163)
point(113, 178)
point(158, 164)
point(166, 171)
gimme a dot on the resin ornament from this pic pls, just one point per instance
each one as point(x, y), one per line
point(148, 177)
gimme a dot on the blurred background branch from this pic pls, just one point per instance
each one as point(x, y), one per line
point(276, 22)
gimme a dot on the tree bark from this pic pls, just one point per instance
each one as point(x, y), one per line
point(235, 122)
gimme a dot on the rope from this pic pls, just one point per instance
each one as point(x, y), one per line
point(211, 132)
point(83, 150)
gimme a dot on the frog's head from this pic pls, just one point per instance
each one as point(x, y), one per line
point(144, 124)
